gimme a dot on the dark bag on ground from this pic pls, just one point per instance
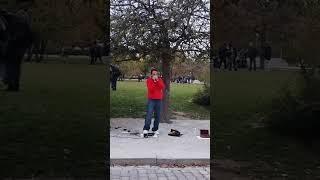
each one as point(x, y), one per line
point(174, 132)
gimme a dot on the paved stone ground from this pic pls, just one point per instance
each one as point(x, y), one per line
point(158, 173)
point(125, 145)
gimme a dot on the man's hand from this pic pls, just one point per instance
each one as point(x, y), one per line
point(155, 78)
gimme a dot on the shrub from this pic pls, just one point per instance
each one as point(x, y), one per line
point(202, 97)
point(296, 111)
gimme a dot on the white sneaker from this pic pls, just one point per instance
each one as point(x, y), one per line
point(155, 135)
point(145, 133)
point(156, 132)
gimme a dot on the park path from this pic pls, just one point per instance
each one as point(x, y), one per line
point(130, 148)
point(179, 153)
point(156, 173)
point(172, 173)
point(159, 173)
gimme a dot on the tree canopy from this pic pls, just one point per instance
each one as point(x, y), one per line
point(140, 28)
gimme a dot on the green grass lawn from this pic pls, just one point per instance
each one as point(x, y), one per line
point(56, 124)
point(239, 100)
point(130, 100)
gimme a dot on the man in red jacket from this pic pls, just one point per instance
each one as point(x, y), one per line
point(155, 87)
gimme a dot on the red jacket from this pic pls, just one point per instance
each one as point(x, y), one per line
point(155, 89)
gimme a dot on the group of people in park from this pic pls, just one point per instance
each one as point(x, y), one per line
point(95, 52)
point(183, 79)
point(231, 58)
point(141, 77)
point(115, 75)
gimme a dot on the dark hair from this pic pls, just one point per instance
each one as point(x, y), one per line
point(153, 69)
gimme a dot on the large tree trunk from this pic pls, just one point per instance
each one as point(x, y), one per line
point(165, 114)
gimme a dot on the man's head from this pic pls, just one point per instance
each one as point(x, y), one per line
point(154, 72)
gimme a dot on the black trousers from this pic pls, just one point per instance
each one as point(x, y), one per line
point(114, 83)
point(232, 64)
point(253, 62)
point(99, 58)
point(223, 60)
point(13, 69)
point(93, 59)
point(12, 76)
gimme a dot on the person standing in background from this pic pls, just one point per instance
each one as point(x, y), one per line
point(252, 54)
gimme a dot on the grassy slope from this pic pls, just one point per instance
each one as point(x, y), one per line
point(56, 124)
